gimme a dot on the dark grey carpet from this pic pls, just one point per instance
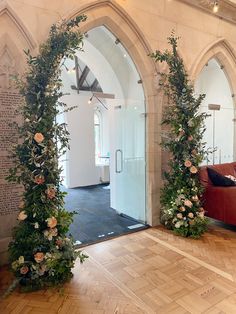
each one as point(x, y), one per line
point(96, 220)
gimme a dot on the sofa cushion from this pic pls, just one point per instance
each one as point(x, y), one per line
point(218, 179)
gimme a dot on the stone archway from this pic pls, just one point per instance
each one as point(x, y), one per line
point(120, 24)
point(224, 54)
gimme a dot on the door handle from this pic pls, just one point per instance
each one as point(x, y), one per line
point(121, 160)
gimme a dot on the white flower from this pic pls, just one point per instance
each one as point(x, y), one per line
point(36, 225)
point(178, 224)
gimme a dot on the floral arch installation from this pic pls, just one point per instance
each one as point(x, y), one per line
point(41, 254)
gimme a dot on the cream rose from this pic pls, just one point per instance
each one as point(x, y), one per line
point(190, 215)
point(201, 215)
point(22, 215)
point(188, 203)
point(187, 163)
point(51, 222)
point(179, 215)
point(195, 198)
point(24, 270)
point(39, 257)
point(38, 137)
point(193, 169)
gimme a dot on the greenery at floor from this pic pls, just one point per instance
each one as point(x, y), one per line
point(181, 206)
point(41, 254)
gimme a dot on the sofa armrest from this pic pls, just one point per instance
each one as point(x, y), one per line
point(220, 203)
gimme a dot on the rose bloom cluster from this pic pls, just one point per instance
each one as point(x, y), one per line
point(185, 215)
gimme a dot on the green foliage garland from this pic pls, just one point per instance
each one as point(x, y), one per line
point(181, 207)
point(41, 254)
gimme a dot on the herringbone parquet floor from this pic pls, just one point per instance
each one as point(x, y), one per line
point(150, 271)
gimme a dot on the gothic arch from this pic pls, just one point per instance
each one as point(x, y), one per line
point(225, 56)
point(5, 8)
point(113, 17)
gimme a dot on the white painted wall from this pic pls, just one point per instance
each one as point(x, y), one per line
point(213, 82)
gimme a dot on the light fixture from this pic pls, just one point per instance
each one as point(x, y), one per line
point(90, 100)
point(94, 96)
point(215, 6)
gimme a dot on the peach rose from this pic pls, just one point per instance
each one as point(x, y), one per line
point(190, 215)
point(187, 163)
point(188, 203)
point(39, 257)
point(24, 270)
point(52, 222)
point(22, 215)
point(193, 169)
point(51, 192)
point(190, 138)
point(39, 179)
point(182, 209)
point(195, 198)
point(179, 215)
point(38, 137)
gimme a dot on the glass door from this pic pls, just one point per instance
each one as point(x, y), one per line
point(127, 160)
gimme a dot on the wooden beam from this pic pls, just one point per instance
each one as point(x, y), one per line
point(83, 76)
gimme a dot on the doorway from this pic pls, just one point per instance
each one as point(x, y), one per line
point(218, 103)
point(107, 132)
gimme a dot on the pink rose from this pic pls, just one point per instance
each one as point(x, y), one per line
point(39, 179)
point(190, 138)
point(38, 137)
point(39, 257)
point(24, 270)
point(187, 163)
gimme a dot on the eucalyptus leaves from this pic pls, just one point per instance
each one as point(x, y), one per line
point(41, 254)
point(180, 199)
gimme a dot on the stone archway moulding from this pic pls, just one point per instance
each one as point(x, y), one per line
point(225, 55)
point(5, 8)
point(111, 15)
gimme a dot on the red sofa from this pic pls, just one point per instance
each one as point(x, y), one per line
point(219, 202)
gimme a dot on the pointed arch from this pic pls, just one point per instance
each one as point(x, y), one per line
point(224, 55)
point(5, 8)
point(117, 21)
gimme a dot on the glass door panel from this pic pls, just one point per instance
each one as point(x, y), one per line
point(127, 160)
